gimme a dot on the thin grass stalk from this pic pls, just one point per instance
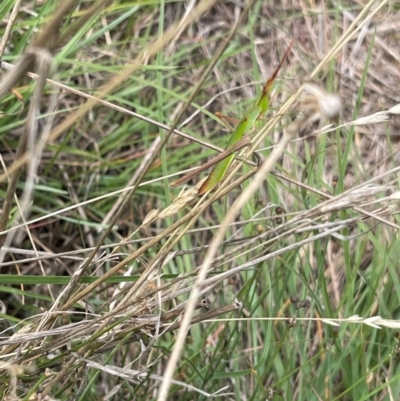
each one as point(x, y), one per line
point(28, 140)
point(10, 23)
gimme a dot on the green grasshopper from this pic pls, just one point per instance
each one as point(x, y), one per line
point(245, 125)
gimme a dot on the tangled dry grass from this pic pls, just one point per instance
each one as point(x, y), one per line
point(144, 265)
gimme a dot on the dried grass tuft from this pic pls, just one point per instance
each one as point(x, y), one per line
point(84, 324)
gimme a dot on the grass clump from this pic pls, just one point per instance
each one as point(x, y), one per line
point(282, 283)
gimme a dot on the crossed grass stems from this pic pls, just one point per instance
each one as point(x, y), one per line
point(130, 318)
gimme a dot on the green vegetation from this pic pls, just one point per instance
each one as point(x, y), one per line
point(287, 271)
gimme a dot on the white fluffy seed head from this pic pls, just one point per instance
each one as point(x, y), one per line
point(330, 105)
